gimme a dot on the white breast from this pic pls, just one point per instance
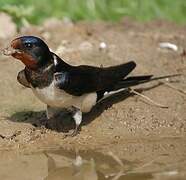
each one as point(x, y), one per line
point(55, 97)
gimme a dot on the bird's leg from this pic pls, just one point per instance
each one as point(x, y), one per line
point(49, 113)
point(77, 116)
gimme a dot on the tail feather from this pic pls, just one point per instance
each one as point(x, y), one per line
point(129, 82)
point(115, 79)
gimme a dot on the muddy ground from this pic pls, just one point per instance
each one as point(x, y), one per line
point(125, 124)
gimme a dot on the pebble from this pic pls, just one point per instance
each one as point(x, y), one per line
point(168, 45)
point(102, 46)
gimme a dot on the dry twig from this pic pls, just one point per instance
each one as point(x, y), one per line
point(148, 99)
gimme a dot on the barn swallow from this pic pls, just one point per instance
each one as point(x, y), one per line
point(60, 85)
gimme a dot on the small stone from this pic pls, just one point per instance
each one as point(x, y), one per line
point(117, 137)
point(103, 46)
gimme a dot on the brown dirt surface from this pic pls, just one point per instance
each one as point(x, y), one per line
point(125, 124)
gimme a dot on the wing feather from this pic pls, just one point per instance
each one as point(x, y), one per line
point(78, 80)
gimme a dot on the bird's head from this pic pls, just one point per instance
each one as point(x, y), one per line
point(31, 50)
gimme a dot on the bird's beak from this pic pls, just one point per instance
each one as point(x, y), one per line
point(13, 48)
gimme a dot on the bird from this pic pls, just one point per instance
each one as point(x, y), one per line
point(63, 86)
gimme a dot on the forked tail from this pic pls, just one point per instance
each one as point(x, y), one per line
point(132, 81)
point(136, 80)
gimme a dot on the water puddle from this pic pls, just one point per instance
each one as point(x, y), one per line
point(83, 165)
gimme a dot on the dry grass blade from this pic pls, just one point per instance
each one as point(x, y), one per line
point(148, 99)
point(116, 158)
point(144, 165)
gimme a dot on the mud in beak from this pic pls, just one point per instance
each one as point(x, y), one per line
point(13, 48)
point(9, 51)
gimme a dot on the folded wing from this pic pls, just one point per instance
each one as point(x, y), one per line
point(85, 79)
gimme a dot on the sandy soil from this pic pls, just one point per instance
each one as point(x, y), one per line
point(125, 124)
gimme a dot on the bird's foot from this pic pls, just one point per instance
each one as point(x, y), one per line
point(77, 116)
point(73, 133)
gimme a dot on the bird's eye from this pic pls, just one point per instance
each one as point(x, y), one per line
point(28, 45)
